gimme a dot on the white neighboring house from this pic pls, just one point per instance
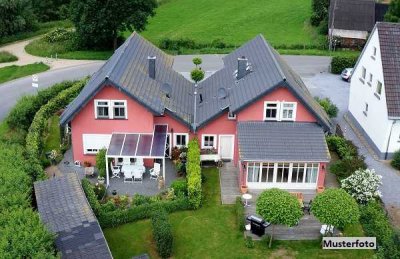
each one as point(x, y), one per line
point(374, 102)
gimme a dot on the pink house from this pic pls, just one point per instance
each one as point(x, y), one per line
point(255, 112)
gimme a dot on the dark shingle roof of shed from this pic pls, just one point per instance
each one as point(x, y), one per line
point(389, 41)
point(64, 209)
point(282, 141)
point(128, 70)
point(357, 15)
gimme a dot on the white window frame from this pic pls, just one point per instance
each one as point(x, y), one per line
point(363, 74)
point(374, 50)
point(180, 134)
point(294, 111)
point(277, 111)
point(92, 143)
point(231, 116)
point(365, 111)
point(125, 106)
point(203, 139)
point(96, 104)
point(370, 78)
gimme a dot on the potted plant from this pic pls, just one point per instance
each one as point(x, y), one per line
point(101, 179)
point(243, 189)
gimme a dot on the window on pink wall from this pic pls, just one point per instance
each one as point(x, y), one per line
point(280, 111)
point(110, 109)
point(209, 141)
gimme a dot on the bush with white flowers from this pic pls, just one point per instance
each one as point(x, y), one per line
point(363, 185)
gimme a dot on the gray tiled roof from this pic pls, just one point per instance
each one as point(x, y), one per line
point(64, 209)
point(357, 15)
point(389, 41)
point(282, 141)
point(128, 69)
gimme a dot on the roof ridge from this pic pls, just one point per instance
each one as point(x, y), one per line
point(126, 43)
point(273, 57)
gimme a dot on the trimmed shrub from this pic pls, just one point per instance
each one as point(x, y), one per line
point(24, 111)
point(239, 209)
point(162, 232)
point(346, 167)
point(396, 160)
point(339, 63)
point(34, 138)
point(118, 216)
point(330, 108)
point(101, 162)
point(59, 35)
point(343, 147)
point(193, 171)
point(180, 187)
point(376, 224)
point(91, 196)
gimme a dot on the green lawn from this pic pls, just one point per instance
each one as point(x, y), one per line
point(53, 140)
point(211, 232)
point(42, 28)
point(6, 56)
point(13, 72)
point(42, 48)
point(234, 21)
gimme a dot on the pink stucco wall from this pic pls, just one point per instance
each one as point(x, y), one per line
point(139, 120)
point(321, 175)
point(255, 111)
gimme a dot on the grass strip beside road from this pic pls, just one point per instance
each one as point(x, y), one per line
point(6, 56)
point(13, 72)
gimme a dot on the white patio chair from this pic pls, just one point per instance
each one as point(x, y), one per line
point(126, 161)
point(115, 171)
point(139, 161)
point(155, 172)
point(128, 177)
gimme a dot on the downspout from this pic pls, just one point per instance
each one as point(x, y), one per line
point(195, 107)
point(388, 143)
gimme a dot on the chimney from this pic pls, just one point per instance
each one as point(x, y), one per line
point(152, 66)
point(242, 67)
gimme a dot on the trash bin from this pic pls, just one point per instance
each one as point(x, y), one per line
point(258, 225)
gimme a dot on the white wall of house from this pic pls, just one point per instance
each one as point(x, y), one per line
point(363, 92)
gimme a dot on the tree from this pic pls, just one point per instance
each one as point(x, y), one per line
point(277, 206)
point(335, 207)
point(197, 75)
point(49, 10)
point(363, 185)
point(16, 16)
point(197, 61)
point(98, 22)
point(320, 11)
point(101, 162)
point(393, 13)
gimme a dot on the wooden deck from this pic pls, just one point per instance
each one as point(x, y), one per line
point(307, 229)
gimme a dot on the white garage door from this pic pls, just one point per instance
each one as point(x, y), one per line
point(92, 143)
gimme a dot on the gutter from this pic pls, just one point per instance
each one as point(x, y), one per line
point(388, 142)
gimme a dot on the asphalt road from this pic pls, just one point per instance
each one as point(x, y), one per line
point(10, 92)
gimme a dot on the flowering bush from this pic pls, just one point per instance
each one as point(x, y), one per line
point(53, 155)
point(363, 185)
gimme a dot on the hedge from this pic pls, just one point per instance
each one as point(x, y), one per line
point(396, 160)
point(23, 235)
point(350, 160)
point(34, 138)
point(338, 63)
point(239, 209)
point(115, 217)
point(193, 171)
point(376, 224)
point(22, 114)
point(162, 232)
